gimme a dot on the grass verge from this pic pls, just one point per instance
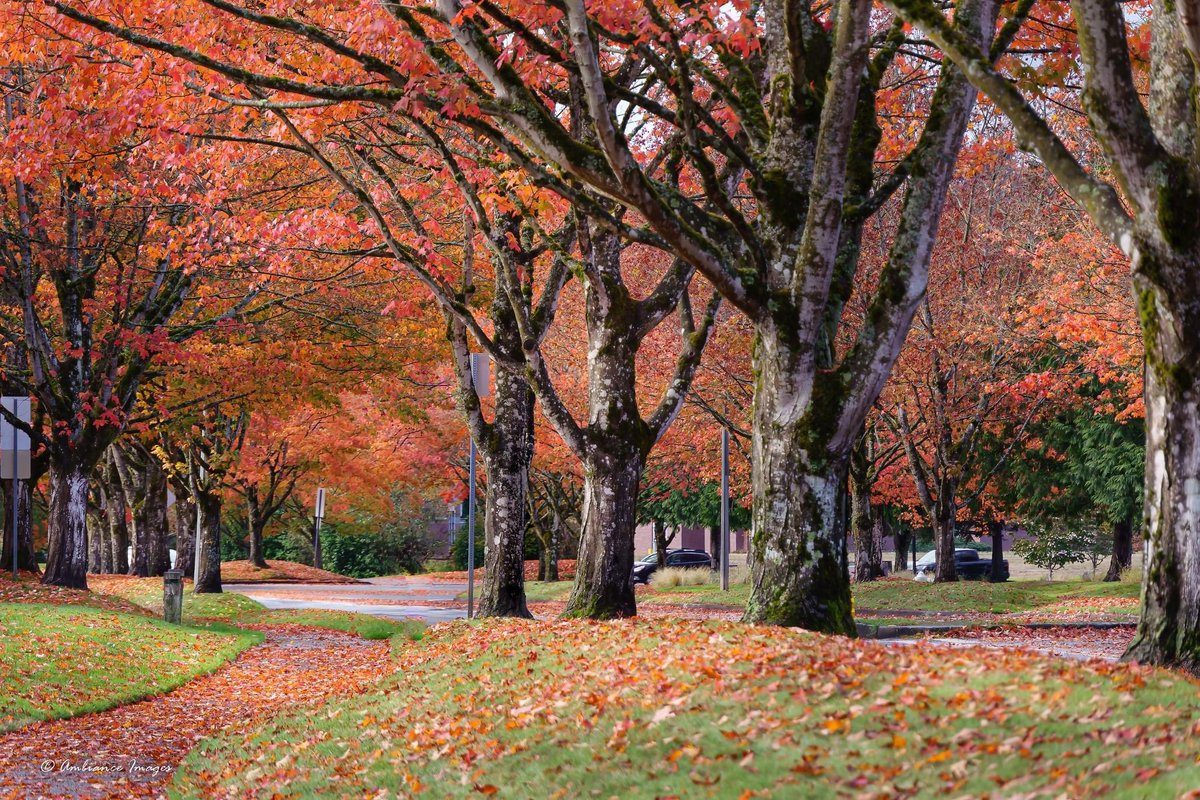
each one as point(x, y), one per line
point(62, 660)
point(643, 710)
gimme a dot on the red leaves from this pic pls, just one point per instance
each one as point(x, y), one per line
point(295, 665)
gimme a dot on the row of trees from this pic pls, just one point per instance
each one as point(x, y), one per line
point(624, 164)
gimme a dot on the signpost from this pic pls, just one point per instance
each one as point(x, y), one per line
point(318, 515)
point(480, 379)
point(14, 457)
point(724, 509)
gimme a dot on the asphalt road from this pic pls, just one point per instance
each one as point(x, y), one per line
point(393, 598)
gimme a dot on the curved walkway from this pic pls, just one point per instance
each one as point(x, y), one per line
point(132, 751)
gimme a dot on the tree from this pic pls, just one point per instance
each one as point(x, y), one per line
point(265, 478)
point(1152, 153)
point(106, 229)
point(870, 457)
point(1055, 545)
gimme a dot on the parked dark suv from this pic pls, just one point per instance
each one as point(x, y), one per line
point(967, 564)
point(680, 559)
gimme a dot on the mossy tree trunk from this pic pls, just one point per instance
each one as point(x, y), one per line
point(602, 588)
point(1169, 629)
point(798, 573)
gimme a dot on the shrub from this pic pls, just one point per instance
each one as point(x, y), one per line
point(674, 576)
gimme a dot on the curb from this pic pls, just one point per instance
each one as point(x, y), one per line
point(869, 631)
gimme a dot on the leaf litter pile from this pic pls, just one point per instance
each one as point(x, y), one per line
point(661, 709)
point(133, 751)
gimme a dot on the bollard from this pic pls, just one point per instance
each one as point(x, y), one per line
point(173, 595)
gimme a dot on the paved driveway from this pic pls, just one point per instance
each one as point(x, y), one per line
point(394, 598)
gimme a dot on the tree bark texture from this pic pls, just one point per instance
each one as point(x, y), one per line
point(185, 532)
point(210, 543)
point(798, 575)
point(255, 524)
point(1122, 552)
point(996, 529)
point(507, 459)
point(26, 559)
point(67, 556)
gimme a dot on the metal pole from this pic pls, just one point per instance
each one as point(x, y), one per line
point(14, 515)
point(317, 543)
point(724, 509)
point(471, 534)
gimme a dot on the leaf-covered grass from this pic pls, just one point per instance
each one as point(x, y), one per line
point(279, 572)
point(901, 593)
point(238, 609)
point(643, 710)
point(62, 660)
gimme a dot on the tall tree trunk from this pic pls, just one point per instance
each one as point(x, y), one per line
point(944, 528)
point(603, 570)
point(254, 524)
point(26, 560)
point(996, 529)
point(507, 459)
point(866, 522)
point(152, 519)
point(145, 485)
point(185, 531)
point(95, 540)
point(210, 543)
point(798, 570)
point(661, 542)
point(67, 555)
point(118, 526)
point(901, 540)
point(1169, 629)
point(1122, 552)
point(551, 553)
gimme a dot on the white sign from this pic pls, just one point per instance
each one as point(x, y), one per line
point(320, 504)
point(14, 442)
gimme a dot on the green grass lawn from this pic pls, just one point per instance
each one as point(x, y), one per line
point(901, 593)
point(238, 609)
point(635, 709)
point(62, 660)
